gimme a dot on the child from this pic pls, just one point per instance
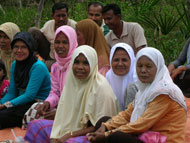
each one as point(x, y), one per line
point(4, 84)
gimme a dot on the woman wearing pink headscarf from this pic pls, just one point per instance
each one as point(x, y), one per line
point(65, 43)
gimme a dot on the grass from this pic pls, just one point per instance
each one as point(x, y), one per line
point(170, 43)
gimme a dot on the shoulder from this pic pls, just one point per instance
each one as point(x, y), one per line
point(54, 67)
point(39, 66)
point(71, 23)
point(49, 23)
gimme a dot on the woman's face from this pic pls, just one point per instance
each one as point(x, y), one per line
point(61, 45)
point(80, 38)
point(146, 70)
point(81, 67)
point(5, 42)
point(121, 62)
point(20, 50)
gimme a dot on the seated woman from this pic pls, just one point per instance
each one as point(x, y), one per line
point(30, 82)
point(86, 97)
point(64, 44)
point(89, 33)
point(179, 72)
point(4, 83)
point(7, 32)
point(122, 72)
point(159, 106)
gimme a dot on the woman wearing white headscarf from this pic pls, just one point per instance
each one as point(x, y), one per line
point(126, 63)
point(159, 105)
point(83, 101)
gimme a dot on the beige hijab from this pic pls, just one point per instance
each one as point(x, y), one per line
point(10, 29)
point(83, 100)
point(94, 37)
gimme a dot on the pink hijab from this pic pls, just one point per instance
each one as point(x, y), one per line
point(65, 62)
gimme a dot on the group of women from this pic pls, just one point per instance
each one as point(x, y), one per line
point(89, 87)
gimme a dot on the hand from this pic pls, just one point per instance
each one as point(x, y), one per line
point(42, 108)
point(53, 140)
point(178, 71)
point(102, 129)
point(2, 106)
point(50, 115)
point(95, 137)
point(64, 138)
point(171, 67)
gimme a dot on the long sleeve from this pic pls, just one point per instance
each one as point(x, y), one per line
point(37, 76)
point(183, 55)
point(55, 92)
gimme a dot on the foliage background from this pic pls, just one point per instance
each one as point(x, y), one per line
point(165, 22)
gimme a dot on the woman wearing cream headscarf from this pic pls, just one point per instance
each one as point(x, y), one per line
point(85, 99)
point(7, 32)
point(159, 109)
point(89, 33)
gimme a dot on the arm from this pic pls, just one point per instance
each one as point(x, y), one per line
point(155, 111)
point(55, 92)
point(36, 77)
point(183, 55)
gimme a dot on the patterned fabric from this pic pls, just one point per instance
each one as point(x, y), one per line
point(80, 139)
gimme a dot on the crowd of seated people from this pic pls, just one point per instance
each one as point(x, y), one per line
point(89, 81)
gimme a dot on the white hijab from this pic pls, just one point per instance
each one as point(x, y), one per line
point(83, 100)
point(162, 84)
point(119, 83)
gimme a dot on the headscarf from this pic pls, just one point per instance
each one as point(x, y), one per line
point(10, 29)
point(119, 83)
point(162, 84)
point(83, 100)
point(94, 37)
point(22, 68)
point(65, 62)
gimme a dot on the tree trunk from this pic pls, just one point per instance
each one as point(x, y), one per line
point(1, 8)
point(188, 8)
point(39, 15)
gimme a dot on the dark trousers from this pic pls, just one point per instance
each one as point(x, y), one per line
point(12, 117)
point(117, 137)
point(182, 81)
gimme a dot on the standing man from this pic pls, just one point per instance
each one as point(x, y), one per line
point(44, 38)
point(95, 13)
point(121, 31)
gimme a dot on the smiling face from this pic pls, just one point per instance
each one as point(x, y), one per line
point(81, 67)
point(111, 20)
point(61, 45)
point(146, 69)
point(95, 13)
point(5, 42)
point(121, 62)
point(20, 50)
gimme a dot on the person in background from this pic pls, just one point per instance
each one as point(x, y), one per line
point(123, 71)
point(121, 31)
point(65, 43)
point(158, 101)
point(89, 33)
point(4, 83)
point(95, 13)
point(45, 36)
point(179, 72)
point(86, 97)
point(7, 32)
point(30, 82)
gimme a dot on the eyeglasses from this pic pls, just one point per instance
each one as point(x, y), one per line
point(21, 48)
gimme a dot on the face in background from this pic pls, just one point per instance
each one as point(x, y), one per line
point(95, 13)
point(5, 42)
point(20, 50)
point(121, 62)
point(146, 70)
point(80, 38)
point(61, 45)
point(61, 17)
point(81, 67)
point(111, 20)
